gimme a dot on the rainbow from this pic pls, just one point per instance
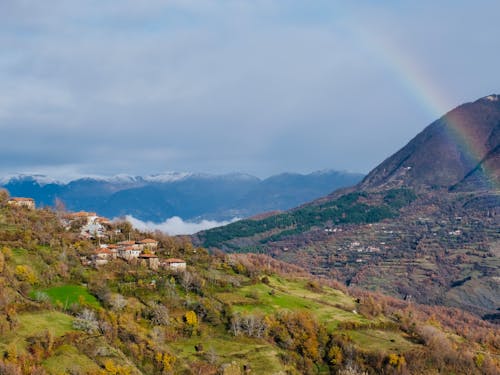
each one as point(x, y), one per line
point(418, 83)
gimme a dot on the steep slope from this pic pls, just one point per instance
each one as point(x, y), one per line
point(464, 140)
point(422, 225)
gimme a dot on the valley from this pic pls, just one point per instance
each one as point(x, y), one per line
point(423, 225)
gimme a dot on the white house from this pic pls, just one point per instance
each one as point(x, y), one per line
point(129, 252)
point(174, 264)
point(22, 202)
point(102, 256)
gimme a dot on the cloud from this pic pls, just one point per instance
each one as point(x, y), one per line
point(260, 86)
point(175, 225)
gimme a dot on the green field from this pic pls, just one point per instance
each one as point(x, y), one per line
point(262, 357)
point(330, 306)
point(66, 295)
point(67, 360)
point(382, 341)
point(30, 324)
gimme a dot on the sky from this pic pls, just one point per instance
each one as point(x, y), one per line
point(106, 87)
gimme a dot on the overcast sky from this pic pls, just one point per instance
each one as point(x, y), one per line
point(142, 87)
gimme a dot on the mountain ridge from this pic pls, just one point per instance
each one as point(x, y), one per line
point(424, 223)
point(192, 196)
point(446, 151)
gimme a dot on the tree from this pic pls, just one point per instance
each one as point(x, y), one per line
point(165, 362)
point(86, 321)
point(159, 316)
point(59, 206)
point(335, 355)
point(117, 302)
point(187, 280)
point(25, 273)
point(190, 318)
point(2, 261)
point(4, 197)
point(250, 325)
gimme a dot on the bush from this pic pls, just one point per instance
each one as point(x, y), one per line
point(86, 321)
point(25, 273)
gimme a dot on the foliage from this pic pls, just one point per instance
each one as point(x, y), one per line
point(86, 321)
point(26, 273)
point(348, 209)
point(249, 312)
point(68, 295)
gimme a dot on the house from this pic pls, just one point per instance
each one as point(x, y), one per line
point(148, 243)
point(22, 202)
point(129, 252)
point(112, 249)
point(174, 264)
point(103, 221)
point(101, 256)
point(89, 223)
point(150, 260)
point(90, 217)
point(129, 244)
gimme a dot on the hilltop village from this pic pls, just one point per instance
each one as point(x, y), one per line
point(100, 229)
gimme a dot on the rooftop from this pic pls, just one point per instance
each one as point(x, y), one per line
point(148, 240)
point(147, 256)
point(174, 260)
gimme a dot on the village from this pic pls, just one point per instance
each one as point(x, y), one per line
point(95, 227)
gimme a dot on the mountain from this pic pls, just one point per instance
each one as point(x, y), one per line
point(190, 196)
point(460, 148)
point(423, 225)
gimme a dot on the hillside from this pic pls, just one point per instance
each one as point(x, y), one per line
point(189, 196)
point(422, 225)
point(463, 142)
point(225, 314)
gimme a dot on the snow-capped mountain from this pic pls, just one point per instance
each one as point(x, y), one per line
point(187, 195)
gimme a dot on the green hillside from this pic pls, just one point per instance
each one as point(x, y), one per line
point(226, 314)
point(352, 208)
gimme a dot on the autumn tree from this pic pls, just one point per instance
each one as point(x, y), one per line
point(4, 197)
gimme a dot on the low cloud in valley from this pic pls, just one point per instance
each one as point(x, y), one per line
point(176, 225)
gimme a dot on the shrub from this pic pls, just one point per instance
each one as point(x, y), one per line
point(86, 321)
point(25, 273)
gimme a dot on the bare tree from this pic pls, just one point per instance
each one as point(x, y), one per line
point(118, 302)
point(86, 321)
point(187, 280)
point(159, 315)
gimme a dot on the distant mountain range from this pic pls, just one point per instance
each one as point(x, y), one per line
point(422, 225)
point(189, 196)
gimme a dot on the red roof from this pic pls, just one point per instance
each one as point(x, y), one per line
point(22, 199)
point(103, 251)
point(148, 240)
point(82, 214)
point(174, 260)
